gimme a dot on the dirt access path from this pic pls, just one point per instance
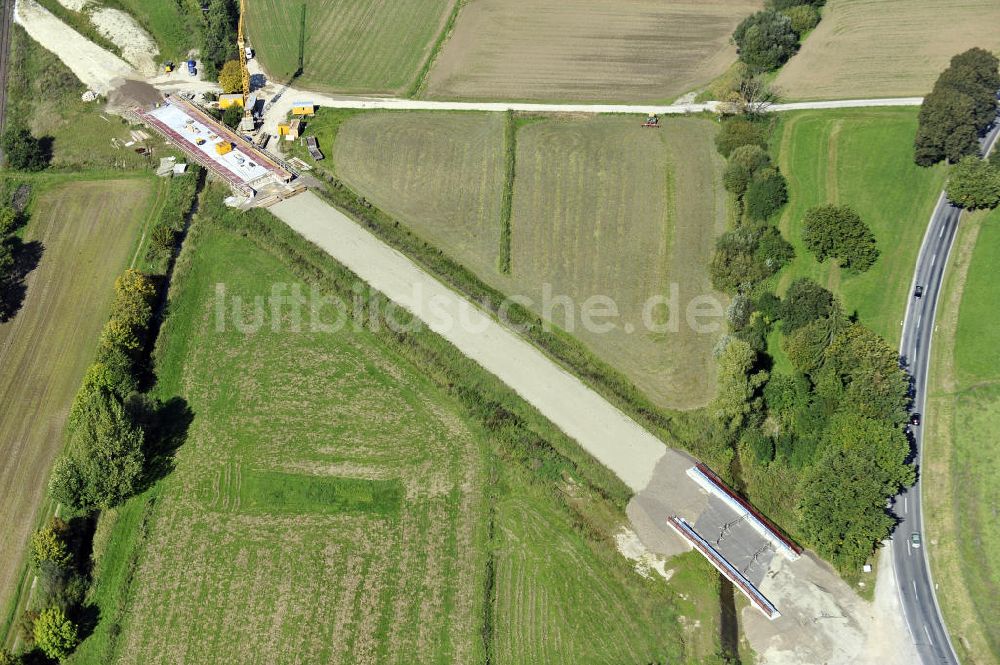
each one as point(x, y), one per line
point(823, 620)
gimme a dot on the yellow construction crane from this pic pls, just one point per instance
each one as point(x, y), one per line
point(247, 125)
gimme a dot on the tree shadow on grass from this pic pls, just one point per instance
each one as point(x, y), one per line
point(166, 425)
point(13, 288)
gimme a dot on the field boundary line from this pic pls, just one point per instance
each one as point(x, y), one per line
point(420, 82)
point(507, 201)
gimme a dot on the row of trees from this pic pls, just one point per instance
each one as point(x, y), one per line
point(103, 461)
point(754, 250)
point(102, 465)
point(831, 428)
point(219, 43)
point(767, 39)
point(961, 105)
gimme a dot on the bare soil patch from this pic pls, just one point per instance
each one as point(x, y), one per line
point(641, 50)
point(886, 48)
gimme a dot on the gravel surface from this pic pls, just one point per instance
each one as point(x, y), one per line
point(98, 69)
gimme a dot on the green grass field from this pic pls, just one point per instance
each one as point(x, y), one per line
point(87, 231)
point(601, 207)
point(350, 45)
point(174, 24)
point(863, 159)
point(332, 504)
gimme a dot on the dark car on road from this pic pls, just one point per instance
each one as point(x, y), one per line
point(918, 292)
point(915, 419)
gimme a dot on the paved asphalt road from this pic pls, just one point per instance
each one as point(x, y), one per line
point(923, 616)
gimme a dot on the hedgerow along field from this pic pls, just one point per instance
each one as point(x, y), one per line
point(87, 231)
point(586, 50)
point(350, 45)
point(960, 461)
point(863, 159)
point(886, 48)
point(600, 206)
point(384, 557)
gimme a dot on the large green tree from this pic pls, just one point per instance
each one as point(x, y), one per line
point(842, 511)
point(55, 634)
point(962, 103)
point(805, 302)
point(766, 40)
point(104, 458)
point(739, 385)
point(831, 231)
point(974, 184)
point(219, 43)
point(23, 151)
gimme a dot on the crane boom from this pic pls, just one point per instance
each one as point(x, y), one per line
point(241, 42)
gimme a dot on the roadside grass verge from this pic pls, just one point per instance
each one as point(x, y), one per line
point(960, 469)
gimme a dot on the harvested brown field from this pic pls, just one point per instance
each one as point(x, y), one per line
point(886, 48)
point(87, 231)
point(601, 207)
point(587, 50)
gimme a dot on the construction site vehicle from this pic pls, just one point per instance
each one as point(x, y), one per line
point(223, 147)
point(168, 66)
point(303, 108)
point(249, 52)
point(652, 121)
point(192, 68)
point(200, 141)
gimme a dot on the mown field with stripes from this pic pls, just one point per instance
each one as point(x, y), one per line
point(349, 45)
point(332, 502)
point(600, 207)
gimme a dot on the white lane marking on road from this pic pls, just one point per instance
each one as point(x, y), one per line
point(928, 633)
point(941, 233)
point(906, 504)
point(919, 319)
point(934, 258)
point(909, 551)
point(915, 588)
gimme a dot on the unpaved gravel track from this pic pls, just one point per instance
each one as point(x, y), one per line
point(823, 619)
point(98, 69)
point(604, 431)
